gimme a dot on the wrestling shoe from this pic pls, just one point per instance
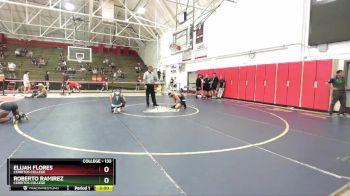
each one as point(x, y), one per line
point(24, 116)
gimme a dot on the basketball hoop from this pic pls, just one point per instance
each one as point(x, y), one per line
point(174, 48)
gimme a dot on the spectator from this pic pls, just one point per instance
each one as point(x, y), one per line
point(206, 86)
point(34, 60)
point(105, 61)
point(41, 61)
point(26, 82)
point(159, 73)
point(47, 79)
point(171, 84)
point(137, 69)
point(163, 75)
point(2, 55)
point(120, 74)
point(18, 52)
point(199, 91)
point(138, 82)
point(175, 84)
point(105, 83)
point(112, 66)
point(222, 84)
point(94, 70)
point(214, 85)
point(12, 69)
point(61, 57)
point(82, 67)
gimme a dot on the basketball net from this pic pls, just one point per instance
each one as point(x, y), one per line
point(174, 48)
point(79, 59)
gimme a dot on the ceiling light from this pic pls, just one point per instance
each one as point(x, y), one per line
point(69, 6)
point(141, 10)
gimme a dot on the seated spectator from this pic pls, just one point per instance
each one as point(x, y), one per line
point(2, 55)
point(12, 69)
point(82, 67)
point(34, 61)
point(18, 52)
point(137, 69)
point(112, 66)
point(41, 61)
point(94, 71)
point(105, 61)
point(58, 68)
point(120, 73)
point(71, 71)
point(61, 57)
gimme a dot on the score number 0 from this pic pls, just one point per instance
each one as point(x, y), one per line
point(106, 170)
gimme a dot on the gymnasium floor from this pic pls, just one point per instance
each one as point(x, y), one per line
point(213, 148)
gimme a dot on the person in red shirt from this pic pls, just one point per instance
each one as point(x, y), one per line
point(73, 85)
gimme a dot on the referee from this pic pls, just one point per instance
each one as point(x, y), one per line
point(149, 79)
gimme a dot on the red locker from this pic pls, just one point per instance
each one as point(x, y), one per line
point(322, 92)
point(260, 83)
point(228, 93)
point(250, 89)
point(270, 80)
point(282, 78)
point(235, 81)
point(309, 79)
point(294, 78)
point(242, 82)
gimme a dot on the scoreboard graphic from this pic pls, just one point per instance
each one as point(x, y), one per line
point(87, 174)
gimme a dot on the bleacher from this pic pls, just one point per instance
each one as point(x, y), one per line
point(52, 56)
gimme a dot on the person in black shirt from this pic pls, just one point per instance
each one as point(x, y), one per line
point(199, 86)
point(206, 86)
point(214, 85)
point(222, 84)
point(159, 73)
point(47, 79)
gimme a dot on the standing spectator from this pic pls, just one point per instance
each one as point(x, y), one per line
point(338, 86)
point(149, 80)
point(138, 82)
point(206, 86)
point(175, 84)
point(199, 86)
point(26, 82)
point(222, 84)
point(61, 56)
point(171, 84)
point(105, 83)
point(159, 73)
point(214, 85)
point(163, 75)
point(47, 79)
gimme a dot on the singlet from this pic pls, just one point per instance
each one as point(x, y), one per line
point(117, 100)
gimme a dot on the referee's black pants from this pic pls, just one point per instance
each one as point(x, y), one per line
point(150, 90)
